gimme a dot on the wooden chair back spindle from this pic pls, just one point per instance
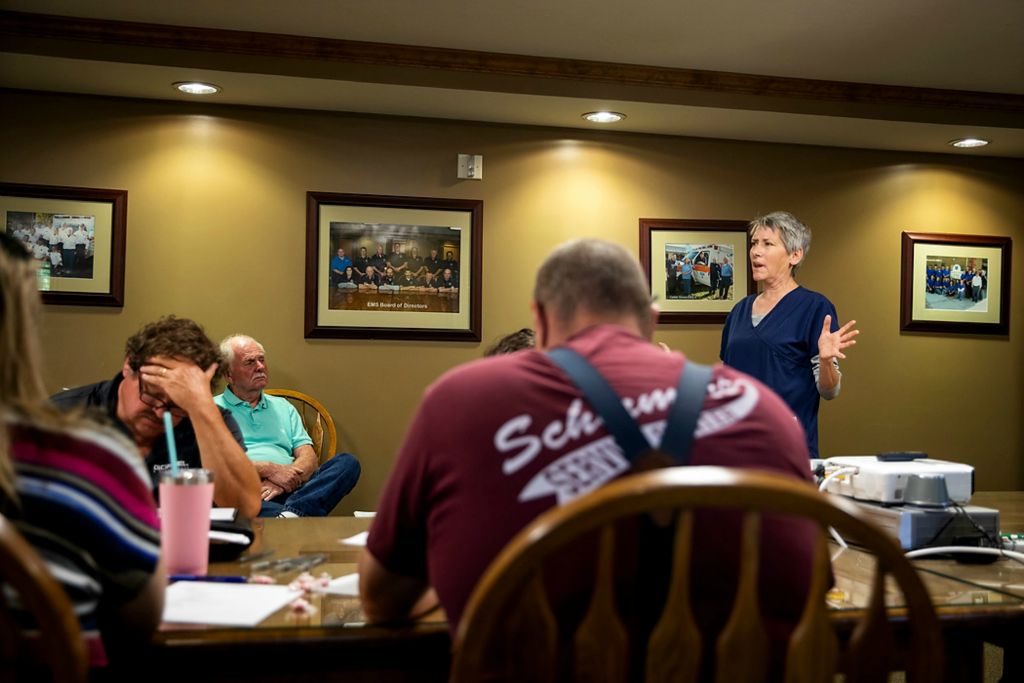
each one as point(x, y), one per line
point(871, 642)
point(673, 652)
point(601, 645)
point(813, 647)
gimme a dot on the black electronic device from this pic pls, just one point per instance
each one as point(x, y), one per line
point(901, 456)
point(229, 538)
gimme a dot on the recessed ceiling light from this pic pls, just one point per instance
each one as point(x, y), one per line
point(197, 88)
point(969, 142)
point(603, 116)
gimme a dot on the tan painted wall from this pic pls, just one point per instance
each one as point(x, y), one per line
point(216, 227)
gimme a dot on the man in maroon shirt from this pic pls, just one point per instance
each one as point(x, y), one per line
point(525, 440)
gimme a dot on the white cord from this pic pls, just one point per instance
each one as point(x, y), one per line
point(821, 487)
point(839, 539)
point(942, 550)
point(833, 475)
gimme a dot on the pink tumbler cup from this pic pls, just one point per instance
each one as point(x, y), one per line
point(185, 501)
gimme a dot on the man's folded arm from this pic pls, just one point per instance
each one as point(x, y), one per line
point(385, 595)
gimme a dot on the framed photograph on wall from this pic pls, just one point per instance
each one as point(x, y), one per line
point(77, 234)
point(386, 267)
point(697, 269)
point(955, 283)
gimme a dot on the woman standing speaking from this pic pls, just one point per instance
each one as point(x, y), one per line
point(787, 336)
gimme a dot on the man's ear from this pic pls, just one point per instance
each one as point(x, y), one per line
point(539, 324)
point(126, 369)
point(652, 321)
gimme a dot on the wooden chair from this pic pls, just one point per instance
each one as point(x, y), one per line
point(318, 422)
point(56, 645)
point(509, 630)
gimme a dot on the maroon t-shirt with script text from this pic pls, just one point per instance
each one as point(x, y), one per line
point(497, 441)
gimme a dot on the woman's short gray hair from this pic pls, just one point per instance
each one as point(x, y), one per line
point(794, 234)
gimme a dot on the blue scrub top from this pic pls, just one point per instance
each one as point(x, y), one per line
point(779, 350)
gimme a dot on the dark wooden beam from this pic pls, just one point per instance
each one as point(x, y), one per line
point(305, 56)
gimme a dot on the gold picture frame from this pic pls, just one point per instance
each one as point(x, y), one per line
point(938, 288)
point(400, 227)
point(78, 236)
point(675, 244)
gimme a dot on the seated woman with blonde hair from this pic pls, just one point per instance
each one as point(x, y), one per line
point(77, 492)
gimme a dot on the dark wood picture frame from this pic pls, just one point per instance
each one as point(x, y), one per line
point(339, 219)
point(711, 240)
point(924, 310)
point(107, 212)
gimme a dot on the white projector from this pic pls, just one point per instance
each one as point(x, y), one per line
point(883, 479)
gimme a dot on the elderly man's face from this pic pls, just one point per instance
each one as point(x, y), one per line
point(341, 253)
point(248, 371)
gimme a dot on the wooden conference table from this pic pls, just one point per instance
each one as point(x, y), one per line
point(975, 603)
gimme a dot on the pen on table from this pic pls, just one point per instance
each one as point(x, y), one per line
point(268, 564)
point(211, 578)
point(307, 562)
point(284, 564)
point(255, 556)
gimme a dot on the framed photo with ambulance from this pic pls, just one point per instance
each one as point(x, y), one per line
point(697, 269)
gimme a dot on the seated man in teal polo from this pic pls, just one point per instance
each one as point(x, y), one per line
point(291, 485)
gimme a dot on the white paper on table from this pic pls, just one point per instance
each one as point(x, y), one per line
point(223, 514)
point(359, 539)
point(229, 537)
point(224, 604)
point(343, 585)
point(363, 514)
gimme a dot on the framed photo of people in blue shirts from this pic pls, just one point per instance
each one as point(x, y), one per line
point(958, 284)
point(697, 269)
point(77, 234)
point(386, 267)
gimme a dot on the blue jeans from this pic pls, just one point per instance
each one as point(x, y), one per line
point(321, 493)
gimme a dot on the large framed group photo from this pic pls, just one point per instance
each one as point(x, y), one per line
point(697, 269)
point(955, 283)
point(77, 236)
point(389, 267)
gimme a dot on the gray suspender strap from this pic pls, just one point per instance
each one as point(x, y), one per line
point(682, 418)
point(677, 439)
point(602, 398)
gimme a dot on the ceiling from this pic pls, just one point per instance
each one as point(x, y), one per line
point(908, 75)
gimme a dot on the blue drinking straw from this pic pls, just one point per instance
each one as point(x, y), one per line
point(172, 450)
